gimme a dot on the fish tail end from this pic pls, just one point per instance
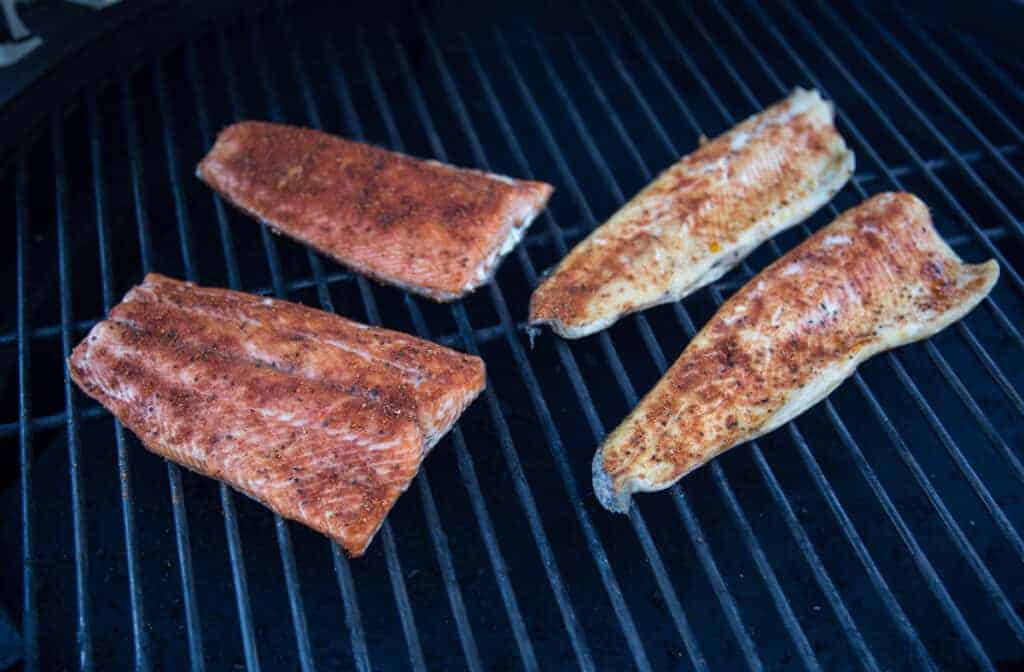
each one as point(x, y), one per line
point(616, 500)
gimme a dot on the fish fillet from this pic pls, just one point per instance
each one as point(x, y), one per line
point(430, 228)
point(877, 277)
point(700, 217)
point(324, 420)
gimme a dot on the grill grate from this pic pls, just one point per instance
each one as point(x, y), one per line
point(748, 563)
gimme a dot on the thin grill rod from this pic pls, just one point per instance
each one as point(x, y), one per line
point(238, 571)
point(764, 568)
point(181, 535)
point(569, 618)
point(466, 469)
point(718, 474)
point(979, 487)
point(395, 572)
point(198, 88)
point(942, 54)
point(939, 93)
point(538, 239)
point(30, 616)
point(821, 575)
point(583, 654)
point(935, 582)
point(993, 68)
point(947, 195)
point(455, 99)
point(998, 376)
point(79, 531)
point(352, 614)
point(519, 628)
point(727, 602)
point(887, 121)
point(1001, 520)
point(797, 436)
point(590, 411)
point(900, 619)
point(284, 542)
point(235, 554)
point(876, 406)
point(958, 537)
point(341, 89)
point(140, 637)
point(437, 534)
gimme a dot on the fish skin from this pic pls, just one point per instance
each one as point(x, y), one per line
point(424, 226)
point(876, 278)
point(700, 217)
point(260, 394)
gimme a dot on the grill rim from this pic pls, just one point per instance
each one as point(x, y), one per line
point(72, 416)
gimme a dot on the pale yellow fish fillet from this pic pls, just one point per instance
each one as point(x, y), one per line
point(876, 278)
point(700, 217)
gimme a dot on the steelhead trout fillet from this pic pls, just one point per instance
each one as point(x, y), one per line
point(426, 227)
point(876, 278)
point(700, 217)
point(322, 419)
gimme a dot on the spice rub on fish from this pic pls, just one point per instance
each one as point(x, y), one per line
point(324, 420)
point(877, 277)
point(424, 226)
point(700, 217)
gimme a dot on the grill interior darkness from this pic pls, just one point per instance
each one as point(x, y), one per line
point(881, 530)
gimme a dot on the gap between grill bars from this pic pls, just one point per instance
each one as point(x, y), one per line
point(511, 83)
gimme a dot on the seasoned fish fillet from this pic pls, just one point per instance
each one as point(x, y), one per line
point(324, 420)
point(876, 278)
point(700, 217)
point(430, 228)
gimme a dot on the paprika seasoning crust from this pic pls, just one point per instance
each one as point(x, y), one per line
point(876, 278)
point(322, 419)
point(424, 226)
point(700, 217)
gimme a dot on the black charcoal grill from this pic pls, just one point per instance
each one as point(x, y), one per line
point(881, 530)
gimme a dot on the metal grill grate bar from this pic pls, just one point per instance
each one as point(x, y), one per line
point(981, 647)
point(942, 54)
point(727, 601)
point(584, 396)
point(238, 572)
point(481, 334)
point(697, 73)
point(750, 538)
point(82, 592)
point(883, 496)
point(857, 640)
point(458, 310)
point(1000, 518)
point(991, 67)
point(458, 106)
point(180, 515)
point(140, 638)
point(824, 581)
point(30, 617)
point(934, 582)
point(887, 36)
point(959, 538)
point(438, 537)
